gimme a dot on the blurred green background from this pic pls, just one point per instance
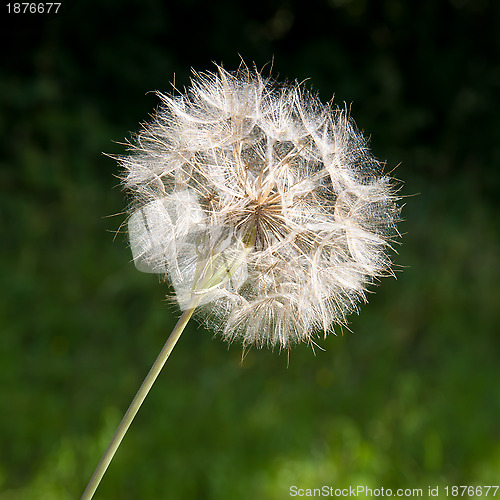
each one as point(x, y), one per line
point(410, 399)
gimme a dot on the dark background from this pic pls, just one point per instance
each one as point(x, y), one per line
point(410, 399)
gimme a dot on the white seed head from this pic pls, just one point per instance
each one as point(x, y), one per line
point(261, 204)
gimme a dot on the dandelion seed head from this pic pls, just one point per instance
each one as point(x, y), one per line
point(240, 169)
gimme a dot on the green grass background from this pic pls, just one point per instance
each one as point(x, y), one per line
point(410, 399)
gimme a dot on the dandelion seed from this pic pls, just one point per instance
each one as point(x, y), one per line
point(239, 153)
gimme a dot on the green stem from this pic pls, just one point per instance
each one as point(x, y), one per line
point(137, 402)
point(203, 280)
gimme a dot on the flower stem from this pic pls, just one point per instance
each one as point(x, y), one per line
point(206, 276)
point(138, 400)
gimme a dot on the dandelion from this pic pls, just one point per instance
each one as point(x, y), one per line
point(240, 156)
point(263, 207)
